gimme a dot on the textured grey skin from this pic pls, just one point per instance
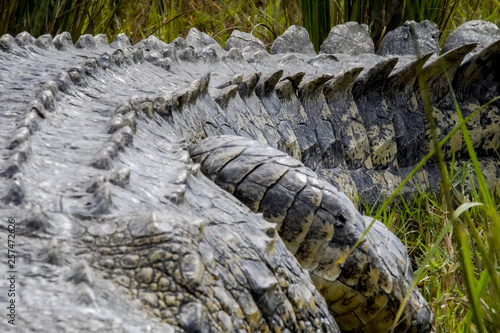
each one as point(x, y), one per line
point(119, 231)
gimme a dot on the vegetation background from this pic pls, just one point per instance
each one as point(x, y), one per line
point(453, 238)
point(267, 19)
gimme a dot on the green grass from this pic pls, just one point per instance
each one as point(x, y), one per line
point(425, 223)
point(166, 19)
point(454, 240)
point(266, 19)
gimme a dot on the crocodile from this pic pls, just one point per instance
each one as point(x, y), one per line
point(187, 187)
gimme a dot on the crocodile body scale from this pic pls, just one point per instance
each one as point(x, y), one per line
point(118, 230)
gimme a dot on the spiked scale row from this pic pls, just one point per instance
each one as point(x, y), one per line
point(359, 121)
point(45, 103)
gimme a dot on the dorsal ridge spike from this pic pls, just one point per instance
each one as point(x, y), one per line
point(86, 41)
point(374, 79)
point(446, 63)
point(200, 86)
point(295, 39)
point(295, 79)
point(101, 40)
point(63, 41)
point(314, 85)
point(223, 96)
point(471, 74)
point(248, 84)
point(341, 83)
point(268, 82)
point(6, 42)
point(199, 40)
point(399, 86)
point(121, 41)
point(236, 79)
point(24, 39)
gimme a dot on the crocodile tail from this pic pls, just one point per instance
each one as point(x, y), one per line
point(362, 284)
